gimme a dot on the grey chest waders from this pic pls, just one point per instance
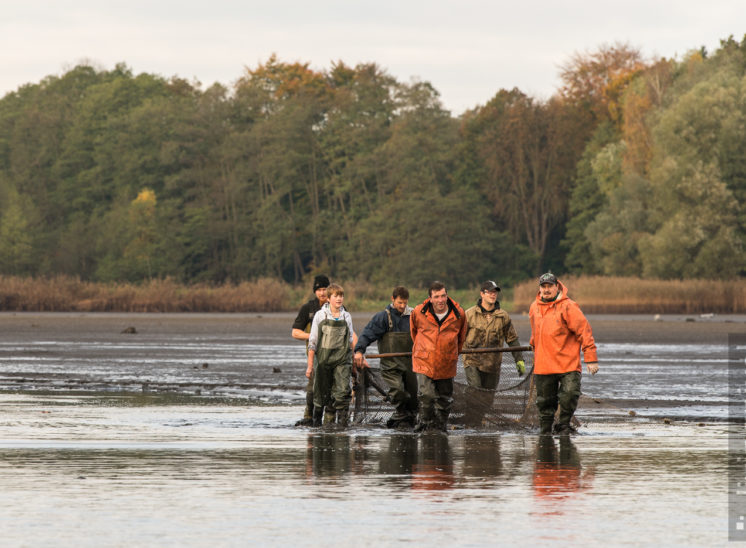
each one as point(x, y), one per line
point(395, 341)
point(331, 387)
point(397, 372)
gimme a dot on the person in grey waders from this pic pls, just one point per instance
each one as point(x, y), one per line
point(301, 331)
point(390, 328)
point(330, 347)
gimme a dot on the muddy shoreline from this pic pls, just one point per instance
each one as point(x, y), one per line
point(253, 357)
point(610, 328)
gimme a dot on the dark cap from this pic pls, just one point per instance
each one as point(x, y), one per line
point(548, 278)
point(489, 285)
point(319, 282)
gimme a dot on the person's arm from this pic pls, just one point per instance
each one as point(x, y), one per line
point(578, 324)
point(313, 339)
point(413, 325)
point(462, 331)
point(299, 334)
point(373, 331)
point(300, 324)
point(511, 338)
point(309, 366)
point(313, 336)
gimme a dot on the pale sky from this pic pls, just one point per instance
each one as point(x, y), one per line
point(467, 49)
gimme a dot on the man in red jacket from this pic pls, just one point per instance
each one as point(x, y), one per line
point(559, 331)
point(438, 328)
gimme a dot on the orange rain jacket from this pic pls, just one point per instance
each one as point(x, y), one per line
point(436, 347)
point(559, 331)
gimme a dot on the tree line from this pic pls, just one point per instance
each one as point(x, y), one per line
point(635, 167)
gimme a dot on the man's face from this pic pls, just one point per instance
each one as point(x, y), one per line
point(548, 291)
point(321, 295)
point(489, 297)
point(440, 300)
point(400, 304)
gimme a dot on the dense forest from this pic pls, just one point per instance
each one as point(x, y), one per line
point(635, 167)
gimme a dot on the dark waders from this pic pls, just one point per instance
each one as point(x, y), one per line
point(398, 374)
point(562, 389)
point(332, 372)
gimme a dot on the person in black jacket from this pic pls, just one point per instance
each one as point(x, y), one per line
point(301, 330)
point(390, 328)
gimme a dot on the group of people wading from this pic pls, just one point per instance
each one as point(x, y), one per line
point(431, 336)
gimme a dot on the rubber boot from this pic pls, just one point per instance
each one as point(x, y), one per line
point(441, 420)
point(330, 416)
point(546, 426)
point(343, 417)
point(318, 414)
point(307, 419)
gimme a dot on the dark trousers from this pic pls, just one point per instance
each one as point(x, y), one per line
point(402, 384)
point(561, 389)
point(436, 399)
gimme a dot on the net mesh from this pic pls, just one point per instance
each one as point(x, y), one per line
point(512, 405)
point(506, 406)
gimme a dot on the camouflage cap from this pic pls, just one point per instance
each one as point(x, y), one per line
point(548, 278)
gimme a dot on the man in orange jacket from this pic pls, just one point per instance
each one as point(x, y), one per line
point(559, 331)
point(438, 328)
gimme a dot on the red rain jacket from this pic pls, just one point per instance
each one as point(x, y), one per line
point(559, 331)
point(436, 347)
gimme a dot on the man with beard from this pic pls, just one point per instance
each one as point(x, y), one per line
point(559, 331)
point(301, 331)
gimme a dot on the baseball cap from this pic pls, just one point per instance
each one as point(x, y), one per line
point(548, 278)
point(489, 285)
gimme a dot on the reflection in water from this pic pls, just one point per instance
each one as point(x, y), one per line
point(482, 456)
point(433, 470)
point(329, 455)
point(558, 473)
point(399, 456)
point(420, 462)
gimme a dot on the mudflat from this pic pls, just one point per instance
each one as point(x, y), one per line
point(612, 328)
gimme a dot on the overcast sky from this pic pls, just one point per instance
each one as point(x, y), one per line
point(468, 49)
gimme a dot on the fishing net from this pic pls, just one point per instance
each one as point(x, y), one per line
point(512, 405)
point(505, 407)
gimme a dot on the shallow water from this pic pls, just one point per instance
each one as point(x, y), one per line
point(79, 469)
point(104, 441)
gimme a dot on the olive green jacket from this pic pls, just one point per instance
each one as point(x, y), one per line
point(488, 330)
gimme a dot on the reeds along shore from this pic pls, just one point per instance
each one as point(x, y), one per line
point(617, 295)
point(594, 294)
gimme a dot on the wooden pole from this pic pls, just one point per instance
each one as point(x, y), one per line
point(467, 351)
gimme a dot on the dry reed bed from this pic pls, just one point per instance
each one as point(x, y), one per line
point(594, 294)
point(63, 293)
point(617, 295)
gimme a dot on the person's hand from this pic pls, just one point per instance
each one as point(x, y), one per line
point(309, 370)
point(358, 360)
point(592, 367)
point(520, 367)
